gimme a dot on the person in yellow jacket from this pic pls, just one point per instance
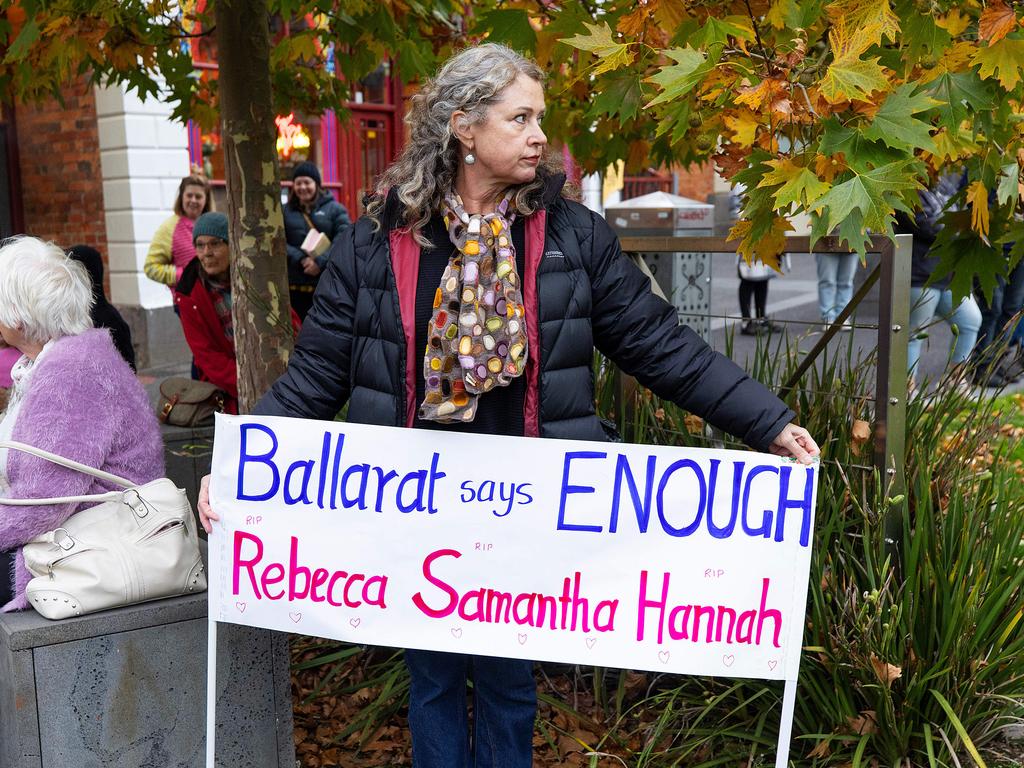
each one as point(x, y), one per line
point(172, 249)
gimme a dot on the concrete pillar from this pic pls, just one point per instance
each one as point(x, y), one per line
point(144, 156)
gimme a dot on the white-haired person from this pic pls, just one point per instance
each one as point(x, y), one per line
point(73, 395)
point(470, 298)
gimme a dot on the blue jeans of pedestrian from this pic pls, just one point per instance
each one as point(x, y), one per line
point(928, 303)
point(835, 282)
point(504, 709)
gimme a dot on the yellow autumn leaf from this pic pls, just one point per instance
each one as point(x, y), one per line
point(768, 248)
point(743, 125)
point(953, 22)
point(859, 24)
point(1004, 59)
point(977, 196)
point(850, 78)
point(950, 146)
point(798, 184)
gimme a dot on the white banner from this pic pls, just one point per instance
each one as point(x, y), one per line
point(668, 559)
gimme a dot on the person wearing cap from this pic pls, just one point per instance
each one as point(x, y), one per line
point(203, 299)
point(309, 207)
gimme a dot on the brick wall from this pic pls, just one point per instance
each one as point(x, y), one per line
point(697, 182)
point(61, 180)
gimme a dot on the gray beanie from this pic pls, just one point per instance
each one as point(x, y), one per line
point(214, 224)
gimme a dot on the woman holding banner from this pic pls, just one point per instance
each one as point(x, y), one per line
point(471, 298)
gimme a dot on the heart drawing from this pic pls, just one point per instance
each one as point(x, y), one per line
point(772, 664)
point(663, 656)
point(355, 622)
point(456, 632)
point(590, 642)
point(522, 639)
point(240, 607)
point(728, 659)
point(296, 617)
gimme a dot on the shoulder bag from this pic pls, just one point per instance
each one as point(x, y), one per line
point(139, 543)
point(187, 402)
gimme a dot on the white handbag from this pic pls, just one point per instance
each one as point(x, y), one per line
point(138, 544)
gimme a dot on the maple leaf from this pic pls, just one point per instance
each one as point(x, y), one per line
point(895, 124)
point(954, 22)
point(771, 93)
point(620, 97)
point(718, 31)
point(611, 55)
point(977, 196)
point(1008, 188)
point(827, 167)
point(965, 256)
point(1004, 59)
point(996, 22)
point(865, 202)
point(633, 23)
point(960, 94)
point(798, 184)
point(850, 78)
point(744, 125)
point(859, 24)
point(761, 246)
point(680, 78)
point(949, 146)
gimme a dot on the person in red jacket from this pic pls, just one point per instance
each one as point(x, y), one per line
point(203, 298)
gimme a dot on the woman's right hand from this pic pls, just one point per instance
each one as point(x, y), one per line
point(206, 514)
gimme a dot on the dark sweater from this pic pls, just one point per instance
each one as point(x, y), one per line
point(500, 411)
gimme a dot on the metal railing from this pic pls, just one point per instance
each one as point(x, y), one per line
point(892, 275)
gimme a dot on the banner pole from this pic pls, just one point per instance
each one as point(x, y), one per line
point(786, 726)
point(211, 690)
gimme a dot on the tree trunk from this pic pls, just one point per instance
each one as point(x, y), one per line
point(259, 285)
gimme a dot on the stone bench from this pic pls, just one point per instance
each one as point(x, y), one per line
point(127, 688)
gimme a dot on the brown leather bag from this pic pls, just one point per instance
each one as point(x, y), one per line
point(189, 403)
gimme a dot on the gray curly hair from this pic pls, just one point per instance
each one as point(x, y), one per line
point(471, 81)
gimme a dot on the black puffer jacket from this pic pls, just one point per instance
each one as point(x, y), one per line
point(328, 216)
point(353, 344)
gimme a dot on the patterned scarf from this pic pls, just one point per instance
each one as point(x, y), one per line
point(476, 339)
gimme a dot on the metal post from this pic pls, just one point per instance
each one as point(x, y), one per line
point(891, 382)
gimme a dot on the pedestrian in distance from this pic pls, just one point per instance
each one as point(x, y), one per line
point(203, 299)
point(835, 285)
point(930, 296)
point(312, 220)
point(503, 287)
point(103, 313)
point(172, 249)
point(754, 278)
point(73, 395)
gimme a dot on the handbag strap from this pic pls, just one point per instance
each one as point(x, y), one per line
point(108, 496)
point(69, 463)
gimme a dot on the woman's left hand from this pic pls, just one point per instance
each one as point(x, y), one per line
point(795, 442)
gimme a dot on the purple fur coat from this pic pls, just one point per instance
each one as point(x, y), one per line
point(82, 402)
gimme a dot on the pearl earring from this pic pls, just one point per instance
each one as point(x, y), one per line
point(470, 159)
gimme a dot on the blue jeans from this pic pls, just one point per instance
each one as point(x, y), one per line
point(835, 282)
point(927, 303)
point(504, 708)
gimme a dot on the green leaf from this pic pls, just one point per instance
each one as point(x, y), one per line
point(872, 197)
point(895, 124)
point(29, 34)
point(510, 26)
point(620, 96)
point(922, 36)
point(962, 94)
point(611, 55)
point(861, 153)
point(965, 256)
point(680, 78)
point(799, 184)
point(850, 78)
point(717, 32)
point(1008, 189)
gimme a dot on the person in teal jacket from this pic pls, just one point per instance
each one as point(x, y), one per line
point(309, 207)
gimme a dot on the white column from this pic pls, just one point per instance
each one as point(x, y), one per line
point(144, 156)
